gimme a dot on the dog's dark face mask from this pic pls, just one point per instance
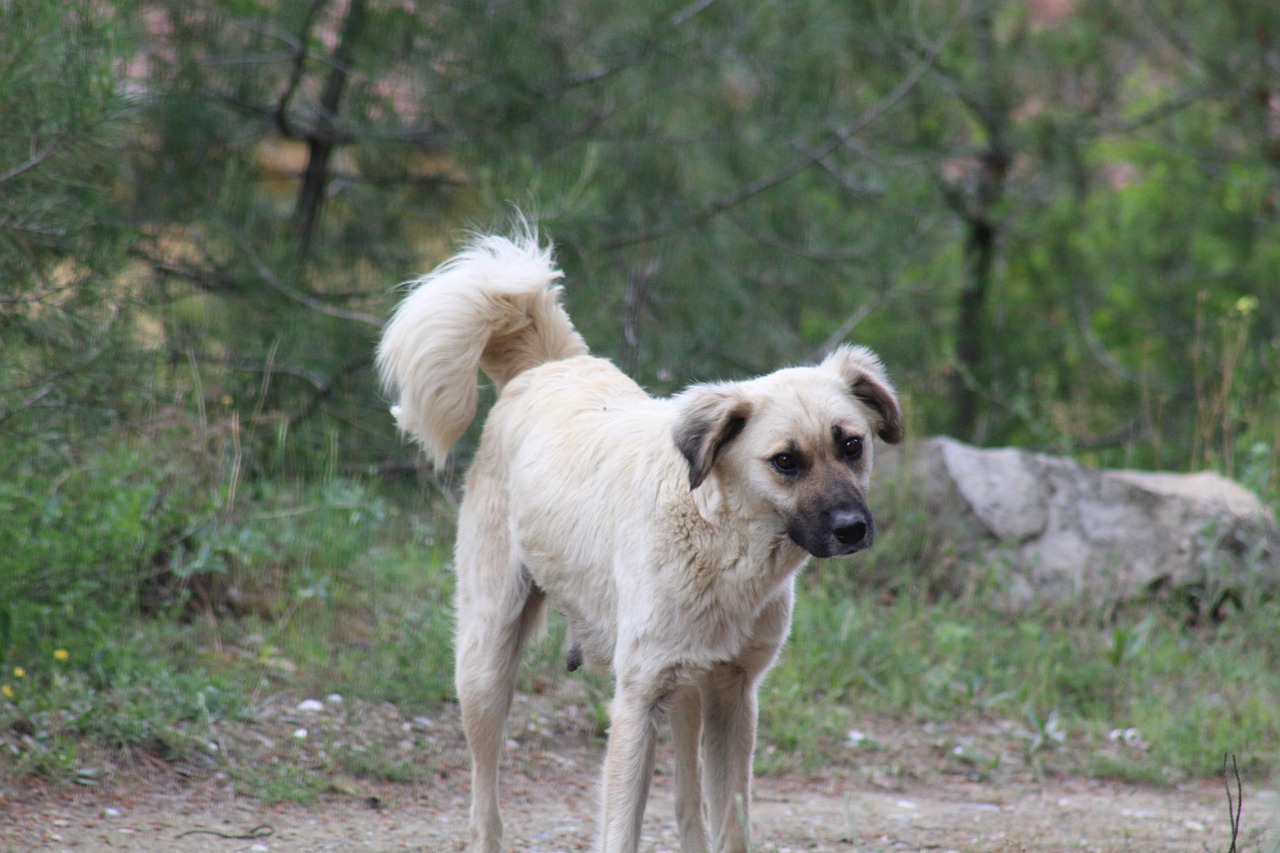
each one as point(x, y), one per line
point(832, 521)
point(824, 483)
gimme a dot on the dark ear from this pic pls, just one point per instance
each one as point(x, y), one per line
point(864, 375)
point(710, 417)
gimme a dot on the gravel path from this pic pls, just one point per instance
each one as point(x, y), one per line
point(903, 796)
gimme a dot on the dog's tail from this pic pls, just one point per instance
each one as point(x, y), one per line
point(494, 307)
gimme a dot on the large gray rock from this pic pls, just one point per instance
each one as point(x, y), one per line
point(1046, 528)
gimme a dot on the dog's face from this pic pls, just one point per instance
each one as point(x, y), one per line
point(796, 445)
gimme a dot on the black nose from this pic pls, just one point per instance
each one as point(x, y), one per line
point(850, 528)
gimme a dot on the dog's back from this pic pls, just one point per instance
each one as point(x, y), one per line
point(494, 307)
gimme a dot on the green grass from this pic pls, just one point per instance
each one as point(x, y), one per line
point(144, 691)
point(141, 607)
point(281, 781)
point(1192, 694)
point(373, 762)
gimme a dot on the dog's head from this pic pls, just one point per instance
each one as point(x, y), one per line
point(796, 444)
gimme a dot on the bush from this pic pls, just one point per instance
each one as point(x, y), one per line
point(82, 540)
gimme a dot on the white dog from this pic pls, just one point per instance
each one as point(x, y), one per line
point(667, 531)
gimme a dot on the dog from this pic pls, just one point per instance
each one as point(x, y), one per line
point(667, 531)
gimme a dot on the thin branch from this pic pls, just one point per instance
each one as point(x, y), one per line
point(883, 294)
point(676, 20)
point(922, 67)
point(1166, 108)
point(420, 181)
point(844, 179)
point(1233, 812)
point(215, 283)
point(360, 362)
point(23, 228)
point(36, 398)
point(694, 8)
point(201, 278)
point(273, 281)
point(1121, 436)
point(837, 337)
point(1099, 352)
point(713, 207)
point(806, 252)
point(32, 162)
point(316, 380)
point(38, 295)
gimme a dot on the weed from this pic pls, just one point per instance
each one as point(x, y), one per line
point(1124, 769)
point(372, 762)
point(1128, 642)
point(280, 781)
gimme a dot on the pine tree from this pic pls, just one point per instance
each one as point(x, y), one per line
point(62, 319)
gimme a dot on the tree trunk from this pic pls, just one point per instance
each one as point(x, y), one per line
point(971, 332)
point(323, 136)
point(978, 205)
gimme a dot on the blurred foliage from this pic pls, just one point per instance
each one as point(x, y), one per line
point(1058, 223)
point(63, 341)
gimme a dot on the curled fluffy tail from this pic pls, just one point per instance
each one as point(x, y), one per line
point(494, 307)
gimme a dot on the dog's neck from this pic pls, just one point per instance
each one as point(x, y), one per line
point(758, 544)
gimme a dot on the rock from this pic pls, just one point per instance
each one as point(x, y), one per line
point(1047, 528)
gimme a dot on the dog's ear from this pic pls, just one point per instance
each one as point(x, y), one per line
point(865, 377)
point(710, 416)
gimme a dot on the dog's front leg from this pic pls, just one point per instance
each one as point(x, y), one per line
point(686, 733)
point(628, 767)
point(729, 737)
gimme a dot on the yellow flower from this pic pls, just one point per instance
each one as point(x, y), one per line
point(61, 654)
point(7, 691)
point(19, 672)
point(1246, 305)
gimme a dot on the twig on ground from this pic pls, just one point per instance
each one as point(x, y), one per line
point(1233, 810)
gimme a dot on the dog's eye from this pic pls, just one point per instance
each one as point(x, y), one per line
point(851, 447)
point(787, 463)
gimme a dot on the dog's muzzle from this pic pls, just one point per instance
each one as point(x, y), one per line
point(834, 533)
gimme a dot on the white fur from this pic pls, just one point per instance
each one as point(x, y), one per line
point(452, 322)
point(658, 527)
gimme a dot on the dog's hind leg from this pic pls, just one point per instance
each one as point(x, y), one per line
point(499, 607)
point(488, 658)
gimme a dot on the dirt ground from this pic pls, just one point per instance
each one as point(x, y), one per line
point(895, 786)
